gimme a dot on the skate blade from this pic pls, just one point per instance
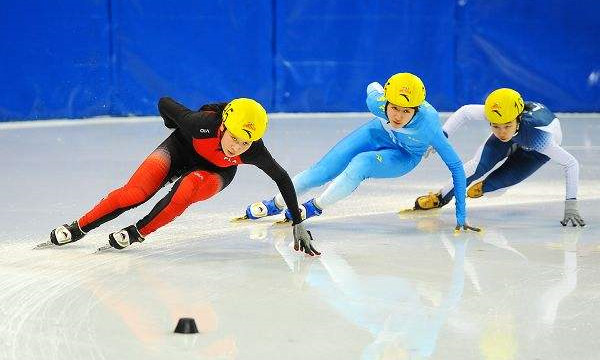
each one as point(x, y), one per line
point(240, 219)
point(282, 222)
point(103, 249)
point(43, 245)
point(418, 213)
point(407, 211)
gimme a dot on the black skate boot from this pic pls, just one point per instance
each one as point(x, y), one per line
point(66, 234)
point(124, 238)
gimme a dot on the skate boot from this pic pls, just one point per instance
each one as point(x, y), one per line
point(66, 234)
point(307, 210)
point(428, 202)
point(261, 209)
point(124, 238)
point(476, 190)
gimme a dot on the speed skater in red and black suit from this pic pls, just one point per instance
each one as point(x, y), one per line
point(201, 157)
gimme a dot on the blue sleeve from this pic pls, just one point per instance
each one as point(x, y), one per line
point(376, 104)
point(452, 160)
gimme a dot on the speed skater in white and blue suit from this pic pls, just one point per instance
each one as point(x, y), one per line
point(388, 146)
point(525, 136)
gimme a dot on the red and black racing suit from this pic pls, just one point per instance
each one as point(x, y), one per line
point(192, 154)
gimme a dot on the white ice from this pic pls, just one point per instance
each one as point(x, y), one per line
point(386, 286)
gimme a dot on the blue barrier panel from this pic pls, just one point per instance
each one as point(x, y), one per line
point(54, 59)
point(547, 50)
point(328, 51)
point(194, 51)
point(79, 59)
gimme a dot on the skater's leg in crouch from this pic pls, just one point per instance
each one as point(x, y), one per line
point(195, 186)
point(369, 137)
point(388, 163)
point(372, 164)
point(150, 176)
point(144, 183)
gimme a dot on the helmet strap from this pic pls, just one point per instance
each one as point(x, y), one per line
point(220, 133)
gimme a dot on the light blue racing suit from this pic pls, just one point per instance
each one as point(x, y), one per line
point(375, 150)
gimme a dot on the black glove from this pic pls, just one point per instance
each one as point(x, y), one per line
point(302, 239)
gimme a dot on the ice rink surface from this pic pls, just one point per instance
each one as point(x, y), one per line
point(386, 286)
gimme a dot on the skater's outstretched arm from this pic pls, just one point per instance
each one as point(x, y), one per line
point(463, 114)
point(193, 124)
point(441, 144)
point(284, 183)
point(457, 119)
point(264, 161)
point(571, 168)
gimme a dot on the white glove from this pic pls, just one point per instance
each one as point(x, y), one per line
point(374, 86)
point(572, 214)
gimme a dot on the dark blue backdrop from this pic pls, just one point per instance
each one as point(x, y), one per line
point(85, 58)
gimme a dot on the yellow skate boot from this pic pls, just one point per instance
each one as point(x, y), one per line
point(428, 202)
point(476, 190)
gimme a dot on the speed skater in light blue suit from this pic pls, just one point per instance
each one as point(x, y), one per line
point(388, 146)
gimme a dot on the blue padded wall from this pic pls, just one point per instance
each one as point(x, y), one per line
point(194, 51)
point(548, 50)
point(85, 58)
point(54, 59)
point(328, 52)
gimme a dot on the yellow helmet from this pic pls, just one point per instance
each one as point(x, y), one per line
point(404, 89)
point(246, 119)
point(503, 105)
